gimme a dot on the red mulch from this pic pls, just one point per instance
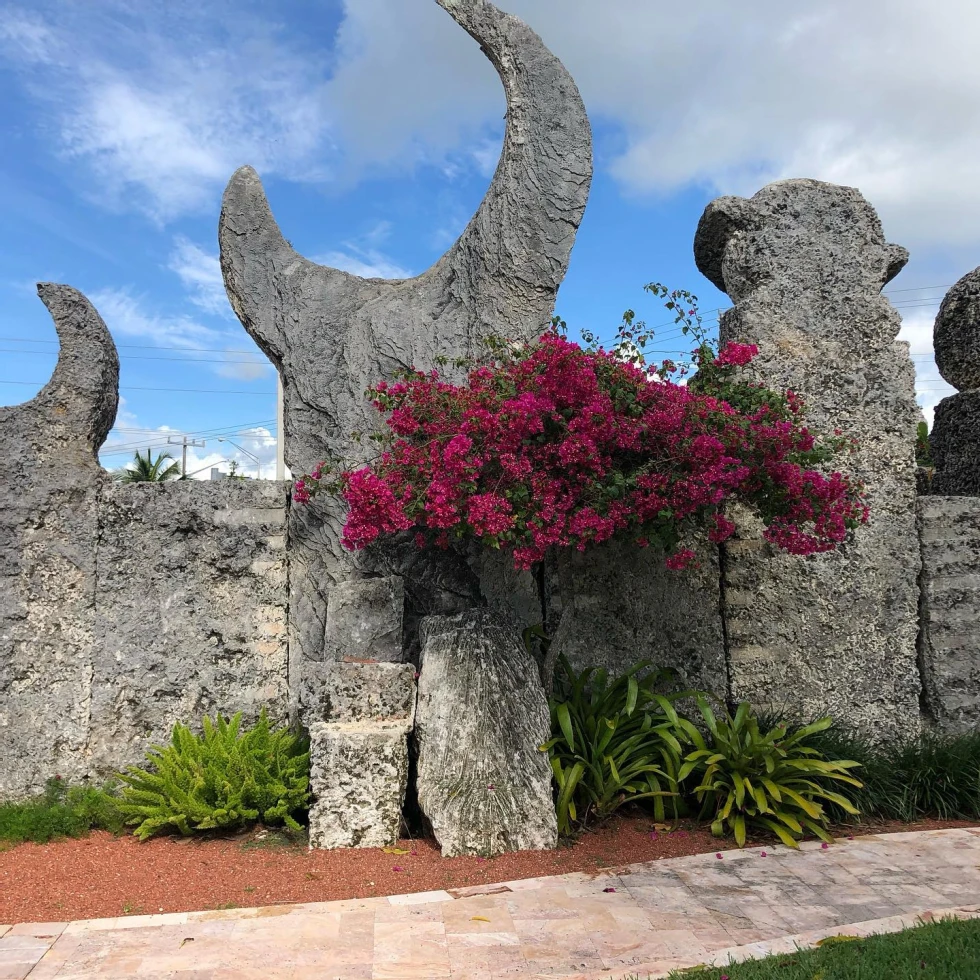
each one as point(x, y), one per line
point(100, 875)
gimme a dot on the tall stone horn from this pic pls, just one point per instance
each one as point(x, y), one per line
point(501, 275)
point(77, 407)
point(515, 250)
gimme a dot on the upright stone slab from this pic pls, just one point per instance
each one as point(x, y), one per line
point(50, 481)
point(364, 620)
point(620, 604)
point(804, 263)
point(955, 437)
point(331, 334)
point(483, 784)
point(949, 640)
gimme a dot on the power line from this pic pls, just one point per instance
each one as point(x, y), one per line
point(197, 432)
point(155, 435)
point(145, 357)
point(202, 350)
point(200, 391)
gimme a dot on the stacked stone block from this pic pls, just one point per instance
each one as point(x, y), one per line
point(358, 705)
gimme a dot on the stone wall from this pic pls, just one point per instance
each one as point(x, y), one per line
point(191, 610)
point(949, 638)
point(123, 608)
point(165, 602)
point(619, 604)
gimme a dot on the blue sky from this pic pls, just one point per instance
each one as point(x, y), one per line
point(375, 126)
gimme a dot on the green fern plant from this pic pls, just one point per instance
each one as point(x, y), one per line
point(613, 742)
point(770, 780)
point(225, 778)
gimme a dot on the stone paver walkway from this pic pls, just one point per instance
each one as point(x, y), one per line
point(644, 919)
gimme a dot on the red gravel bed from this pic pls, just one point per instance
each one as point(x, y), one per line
point(100, 875)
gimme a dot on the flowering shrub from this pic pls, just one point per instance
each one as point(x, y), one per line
point(549, 444)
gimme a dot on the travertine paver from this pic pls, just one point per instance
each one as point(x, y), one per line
point(643, 919)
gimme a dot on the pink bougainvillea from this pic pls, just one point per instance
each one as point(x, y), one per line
point(551, 445)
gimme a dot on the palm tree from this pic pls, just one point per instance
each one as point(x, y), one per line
point(148, 470)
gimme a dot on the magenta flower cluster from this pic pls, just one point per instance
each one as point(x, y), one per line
point(558, 446)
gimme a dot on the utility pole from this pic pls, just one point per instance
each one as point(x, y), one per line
point(185, 442)
point(280, 435)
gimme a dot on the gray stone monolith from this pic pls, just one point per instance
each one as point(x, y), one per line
point(805, 262)
point(49, 489)
point(949, 639)
point(483, 784)
point(332, 334)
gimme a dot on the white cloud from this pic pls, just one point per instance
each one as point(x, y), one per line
point(368, 263)
point(128, 437)
point(194, 342)
point(27, 32)
point(883, 96)
point(930, 389)
point(163, 102)
point(200, 272)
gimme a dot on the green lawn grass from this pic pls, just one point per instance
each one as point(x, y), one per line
point(944, 950)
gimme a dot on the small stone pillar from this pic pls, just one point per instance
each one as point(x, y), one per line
point(955, 436)
point(358, 704)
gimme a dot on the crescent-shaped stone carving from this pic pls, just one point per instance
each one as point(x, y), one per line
point(331, 333)
point(76, 409)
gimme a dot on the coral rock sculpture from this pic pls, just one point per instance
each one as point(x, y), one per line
point(804, 262)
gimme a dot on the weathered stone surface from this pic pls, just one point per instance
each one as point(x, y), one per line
point(620, 605)
point(805, 262)
point(192, 610)
point(50, 480)
point(331, 334)
point(481, 715)
point(955, 445)
point(340, 692)
point(364, 620)
point(949, 639)
point(358, 777)
point(954, 441)
point(956, 334)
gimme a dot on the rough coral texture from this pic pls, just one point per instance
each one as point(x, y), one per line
point(358, 777)
point(620, 604)
point(483, 784)
point(364, 620)
point(191, 590)
point(331, 334)
point(956, 333)
point(804, 263)
point(955, 437)
point(949, 639)
point(955, 446)
point(357, 692)
point(50, 480)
